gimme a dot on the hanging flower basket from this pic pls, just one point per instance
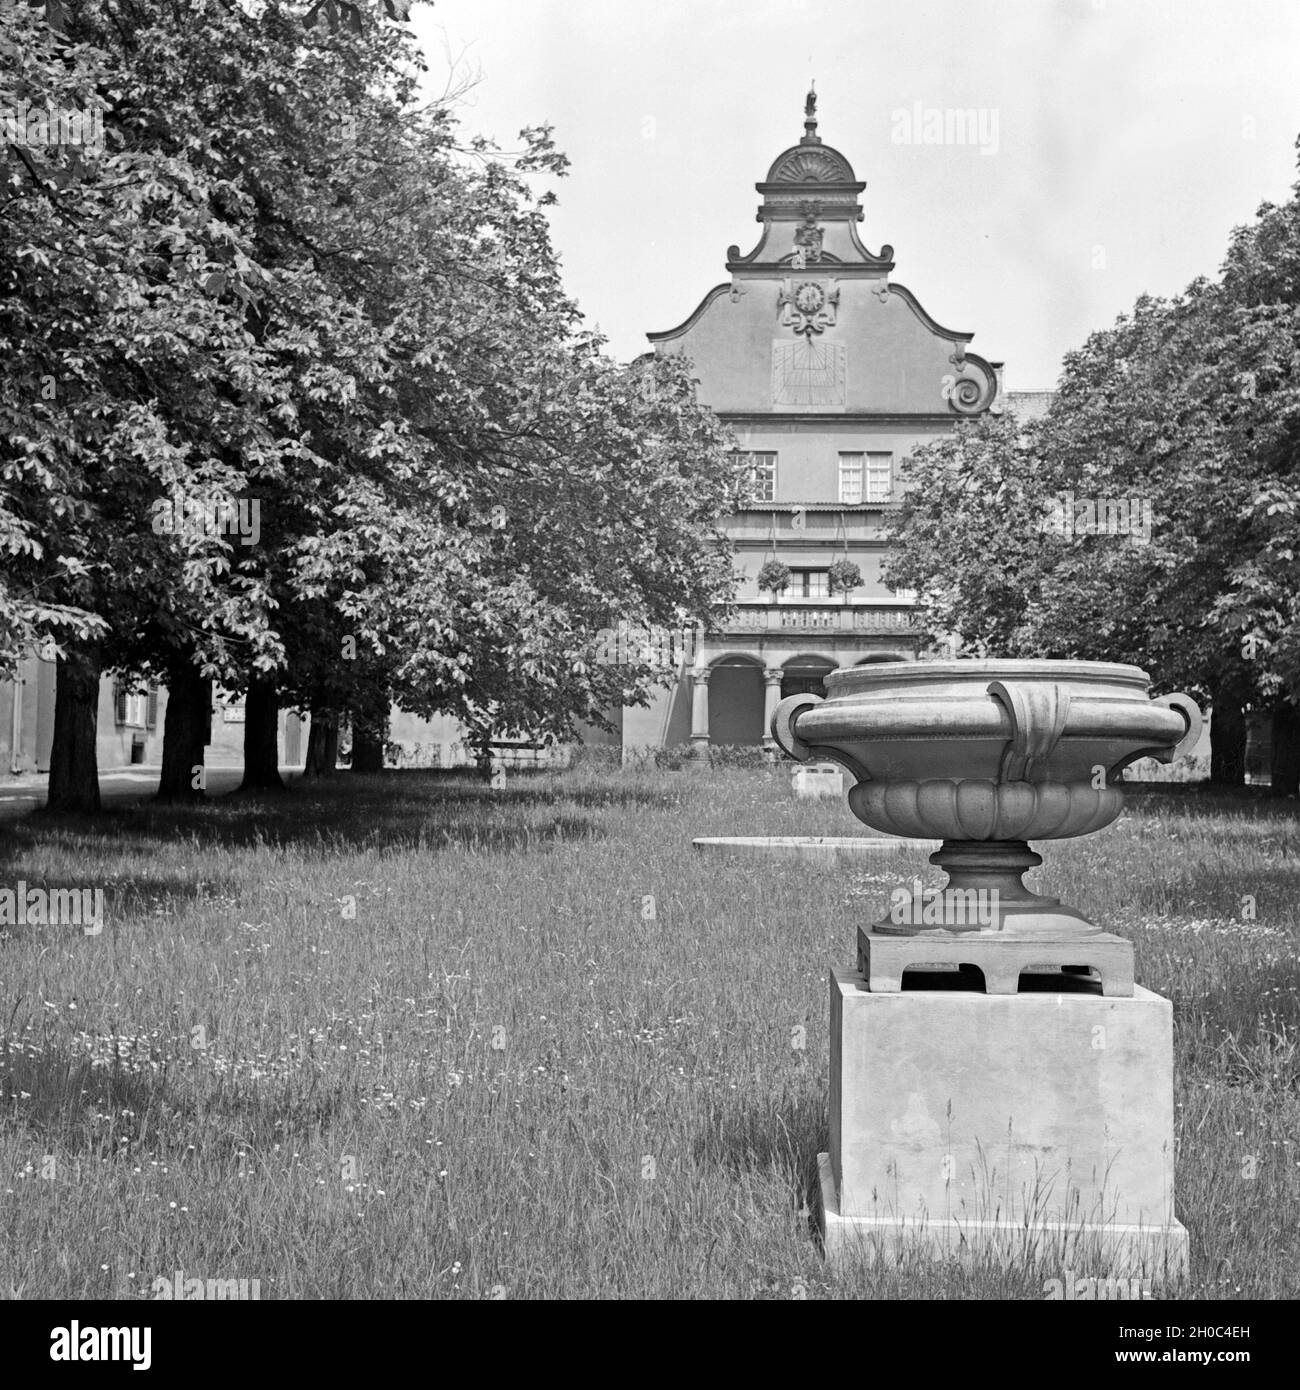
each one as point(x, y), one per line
point(844, 575)
point(774, 576)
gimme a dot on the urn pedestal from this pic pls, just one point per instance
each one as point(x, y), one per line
point(1037, 1124)
point(999, 1083)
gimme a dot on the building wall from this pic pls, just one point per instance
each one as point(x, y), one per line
point(114, 742)
point(138, 740)
point(811, 539)
point(894, 362)
point(10, 691)
point(1029, 405)
point(666, 722)
point(25, 746)
point(808, 451)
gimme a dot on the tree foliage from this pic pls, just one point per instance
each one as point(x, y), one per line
point(286, 283)
point(1186, 410)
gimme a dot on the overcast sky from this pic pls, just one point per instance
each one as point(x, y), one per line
point(1122, 140)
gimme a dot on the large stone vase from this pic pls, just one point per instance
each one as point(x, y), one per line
point(987, 756)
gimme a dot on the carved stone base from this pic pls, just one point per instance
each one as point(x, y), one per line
point(987, 874)
point(882, 958)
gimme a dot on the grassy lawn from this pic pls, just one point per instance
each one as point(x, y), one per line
point(407, 1037)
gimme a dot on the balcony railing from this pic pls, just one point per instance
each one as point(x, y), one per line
point(816, 616)
point(816, 521)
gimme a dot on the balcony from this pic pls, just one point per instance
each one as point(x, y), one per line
point(811, 521)
point(818, 615)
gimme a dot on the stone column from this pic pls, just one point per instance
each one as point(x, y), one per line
point(700, 712)
point(772, 678)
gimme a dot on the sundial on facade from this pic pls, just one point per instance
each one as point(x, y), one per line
point(808, 372)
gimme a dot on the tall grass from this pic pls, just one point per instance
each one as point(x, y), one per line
point(409, 1037)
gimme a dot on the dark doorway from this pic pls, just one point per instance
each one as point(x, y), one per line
point(736, 702)
point(805, 675)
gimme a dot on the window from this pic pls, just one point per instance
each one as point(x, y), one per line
point(135, 709)
point(880, 479)
point(755, 476)
point(905, 595)
point(809, 584)
point(866, 477)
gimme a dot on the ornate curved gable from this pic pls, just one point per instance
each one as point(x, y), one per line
point(809, 323)
point(800, 164)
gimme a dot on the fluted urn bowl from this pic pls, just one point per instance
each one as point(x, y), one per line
point(986, 755)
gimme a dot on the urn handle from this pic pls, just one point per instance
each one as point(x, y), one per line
point(1038, 714)
point(1191, 712)
point(784, 718)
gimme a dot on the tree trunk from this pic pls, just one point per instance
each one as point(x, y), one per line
point(1227, 740)
point(74, 764)
point(368, 744)
point(185, 735)
point(322, 744)
point(1284, 769)
point(261, 730)
point(330, 757)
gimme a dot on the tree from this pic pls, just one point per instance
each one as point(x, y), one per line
point(493, 491)
point(1183, 416)
point(968, 536)
point(359, 328)
point(1261, 287)
point(127, 377)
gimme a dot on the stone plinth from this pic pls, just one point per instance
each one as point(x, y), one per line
point(969, 1122)
point(1002, 960)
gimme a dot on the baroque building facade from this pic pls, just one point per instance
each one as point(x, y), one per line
point(829, 373)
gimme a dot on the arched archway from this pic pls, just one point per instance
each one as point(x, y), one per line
point(736, 701)
point(805, 675)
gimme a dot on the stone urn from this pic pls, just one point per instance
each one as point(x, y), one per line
point(986, 756)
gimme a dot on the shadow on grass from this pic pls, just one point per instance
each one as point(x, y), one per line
point(415, 811)
point(448, 789)
point(139, 895)
point(73, 1106)
point(784, 1133)
point(1198, 799)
